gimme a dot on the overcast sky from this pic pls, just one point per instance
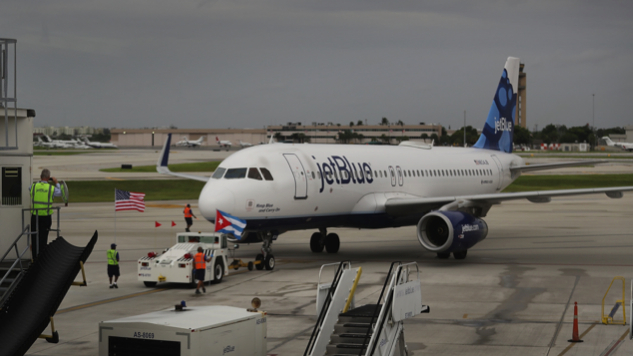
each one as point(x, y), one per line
point(252, 63)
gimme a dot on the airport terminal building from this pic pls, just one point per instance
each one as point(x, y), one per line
point(291, 132)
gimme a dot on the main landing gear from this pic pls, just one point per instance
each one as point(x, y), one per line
point(266, 258)
point(322, 239)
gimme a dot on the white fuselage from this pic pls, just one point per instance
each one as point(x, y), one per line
point(317, 186)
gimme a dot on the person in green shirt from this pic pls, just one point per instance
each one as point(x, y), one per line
point(113, 266)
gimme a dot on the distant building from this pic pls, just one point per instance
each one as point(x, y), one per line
point(336, 133)
point(157, 137)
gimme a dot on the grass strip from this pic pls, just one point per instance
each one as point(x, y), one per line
point(59, 153)
point(179, 167)
point(103, 191)
point(580, 181)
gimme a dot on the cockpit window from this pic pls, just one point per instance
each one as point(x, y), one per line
point(253, 173)
point(266, 173)
point(219, 172)
point(235, 173)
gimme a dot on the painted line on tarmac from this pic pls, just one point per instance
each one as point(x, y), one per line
point(580, 337)
point(105, 301)
point(614, 345)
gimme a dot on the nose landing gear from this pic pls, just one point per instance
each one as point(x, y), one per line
point(266, 258)
point(322, 239)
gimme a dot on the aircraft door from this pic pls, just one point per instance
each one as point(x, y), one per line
point(392, 172)
point(299, 175)
point(400, 177)
point(497, 162)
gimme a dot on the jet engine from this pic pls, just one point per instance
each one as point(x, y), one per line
point(444, 232)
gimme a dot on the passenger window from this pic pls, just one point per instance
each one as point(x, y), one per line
point(266, 173)
point(235, 173)
point(313, 175)
point(219, 172)
point(253, 173)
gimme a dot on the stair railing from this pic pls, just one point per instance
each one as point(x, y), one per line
point(373, 315)
point(326, 305)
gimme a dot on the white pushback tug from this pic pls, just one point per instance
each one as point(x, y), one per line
point(175, 265)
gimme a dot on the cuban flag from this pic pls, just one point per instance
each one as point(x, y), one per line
point(229, 224)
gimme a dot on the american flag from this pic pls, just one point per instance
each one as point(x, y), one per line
point(129, 201)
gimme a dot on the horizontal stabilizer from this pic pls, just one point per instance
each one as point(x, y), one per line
point(546, 166)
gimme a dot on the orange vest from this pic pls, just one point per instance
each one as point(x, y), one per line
point(188, 212)
point(199, 262)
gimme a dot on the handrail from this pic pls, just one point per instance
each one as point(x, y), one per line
point(326, 305)
point(373, 315)
point(18, 261)
point(383, 312)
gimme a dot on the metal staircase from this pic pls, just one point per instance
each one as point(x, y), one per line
point(371, 329)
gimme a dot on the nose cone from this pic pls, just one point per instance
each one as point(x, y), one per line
point(214, 197)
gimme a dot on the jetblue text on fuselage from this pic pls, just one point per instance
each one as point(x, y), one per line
point(503, 125)
point(340, 170)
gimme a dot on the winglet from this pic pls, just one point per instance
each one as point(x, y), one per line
point(163, 159)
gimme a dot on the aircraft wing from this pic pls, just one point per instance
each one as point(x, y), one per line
point(405, 206)
point(163, 159)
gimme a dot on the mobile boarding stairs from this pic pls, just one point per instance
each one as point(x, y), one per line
point(370, 329)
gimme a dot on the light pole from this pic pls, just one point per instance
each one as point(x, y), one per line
point(464, 128)
point(593, 117)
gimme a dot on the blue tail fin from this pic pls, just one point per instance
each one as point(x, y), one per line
point(499, 127)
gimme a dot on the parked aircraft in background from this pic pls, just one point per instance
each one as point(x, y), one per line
point(96, 144)
point(623, 145)
point(50, 143)
point(186, 143)
point(245, 144)
point(223, 143)
point(443, 191)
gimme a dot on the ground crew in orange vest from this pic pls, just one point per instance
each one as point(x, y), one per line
point(200, 265)
point(188, 215)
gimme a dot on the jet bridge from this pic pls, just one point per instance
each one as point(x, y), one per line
point(370, 329)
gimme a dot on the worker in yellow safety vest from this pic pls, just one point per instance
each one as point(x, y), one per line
point(200, 265)
point(42, 194)
point(113, 265)
point(188, 215)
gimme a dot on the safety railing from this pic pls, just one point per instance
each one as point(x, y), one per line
point(326, 305)
point(378, 306)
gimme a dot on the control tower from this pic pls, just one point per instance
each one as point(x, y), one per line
point(16, 150)
point(520, 118)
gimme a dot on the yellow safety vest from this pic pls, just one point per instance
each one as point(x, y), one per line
point(42, 198)
point(112, 257)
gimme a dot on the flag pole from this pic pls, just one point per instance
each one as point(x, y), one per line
point(114, 215)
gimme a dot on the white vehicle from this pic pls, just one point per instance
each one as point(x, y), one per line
point(186, 143)
point(443, 191)
point(96, 144)
point(175, 265)
point(223, 143)
point(623, 145)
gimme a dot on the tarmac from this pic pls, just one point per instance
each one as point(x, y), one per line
point(513, 295)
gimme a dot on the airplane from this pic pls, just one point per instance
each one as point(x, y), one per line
point(223, 143)
point(51, 143)
point(623, 145)
point(96, 144)
point(245, 144)
point(186, 143)
point(445, 192)
point(67, 143)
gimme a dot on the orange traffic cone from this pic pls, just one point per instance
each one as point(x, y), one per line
point(574, 333)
